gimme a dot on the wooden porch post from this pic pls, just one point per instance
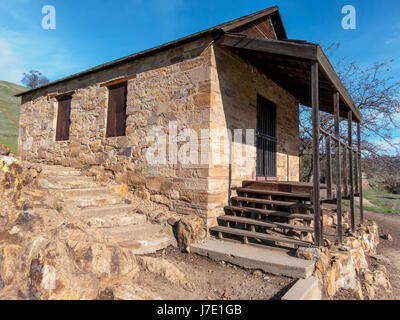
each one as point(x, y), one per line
point(338, 169)
point(351, 173)
point(360, 173)
point(328, 168)
point(345, 179)
point(316, 134)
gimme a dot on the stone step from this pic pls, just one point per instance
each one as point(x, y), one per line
point(112, 216)
point(141, 238)
point(59, 171)
point(84, 192)
point(95, 201)
point(305, 289)
point(271, 260)
point(66, 182)
point(107, 210)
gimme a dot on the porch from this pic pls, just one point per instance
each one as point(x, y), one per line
point(267, 211)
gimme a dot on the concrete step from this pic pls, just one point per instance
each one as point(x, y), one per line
point(305, 289)
point(60, 171)
point(112, 216)
point(95, 201)
point(84, 192)
point(66, 182)
point(141, 238)
point(271, 260)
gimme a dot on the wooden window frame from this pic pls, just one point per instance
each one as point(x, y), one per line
point(116, 113)
point(63, 123)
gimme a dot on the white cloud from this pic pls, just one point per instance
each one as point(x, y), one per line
point(21, 52)
point(10, 69)
point(388, 148)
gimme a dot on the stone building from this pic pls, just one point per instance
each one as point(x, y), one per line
point(103, 119)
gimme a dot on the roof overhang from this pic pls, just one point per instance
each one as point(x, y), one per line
point(288, 63)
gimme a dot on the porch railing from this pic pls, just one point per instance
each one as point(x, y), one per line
point(348, 162)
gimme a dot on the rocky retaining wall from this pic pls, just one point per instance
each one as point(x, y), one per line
point(346, 267)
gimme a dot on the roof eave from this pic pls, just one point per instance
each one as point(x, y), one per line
point(305, 51)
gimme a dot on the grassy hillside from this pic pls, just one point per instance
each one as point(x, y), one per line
point(9, 114)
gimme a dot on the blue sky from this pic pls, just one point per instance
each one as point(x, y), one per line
point(91, 32)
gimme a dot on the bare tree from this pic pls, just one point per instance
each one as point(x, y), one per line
point(34, 79)
point(376, 95)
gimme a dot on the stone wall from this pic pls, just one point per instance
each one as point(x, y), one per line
point(346, 268)
point(197, 86)
point(235, 85)
point(169, 86)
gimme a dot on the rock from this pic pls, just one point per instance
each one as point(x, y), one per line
point(120, 189)
point(106, 294)
point(368, 276)
point(327, 243)
point(387, 237)
point(165, 269)
point(358, 292)
point(190, 230)
point(323, 263)
point(370, 291)
point(381, 259)
point(381, 279)
point(257, 273)
point(172, 221)
point(53, 274)
point(157, 198)
point(381, 267)
point(11, 263)
point(132, 292)
point(142, 194)
point(105, 261)
point(327, 220)
point(308, 253)
point(4, 150)
point(14, 230)
point(331, 288)
point(3, 223)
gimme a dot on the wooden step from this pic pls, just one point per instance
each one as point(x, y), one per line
point(261, 236)
point(283, 214)
point(276, 193)
point(267, 224)
point(287, 204)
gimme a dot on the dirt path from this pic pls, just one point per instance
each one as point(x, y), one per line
point(389, 223)
point(215, 280)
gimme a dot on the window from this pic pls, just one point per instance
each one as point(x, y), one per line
point(63, 118)
point(116, 118)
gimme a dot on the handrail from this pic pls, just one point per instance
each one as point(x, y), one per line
point(327, 134)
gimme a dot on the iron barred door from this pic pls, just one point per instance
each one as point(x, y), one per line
point(266, 138)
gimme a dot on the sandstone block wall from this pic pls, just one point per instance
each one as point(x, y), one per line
point(197, 85)
point(235, 85)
